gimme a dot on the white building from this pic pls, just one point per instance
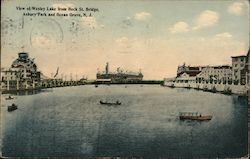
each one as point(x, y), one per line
point(188, 69)
point(23, 74)
point(186, 78)
point(239, 69)
point(217, 74)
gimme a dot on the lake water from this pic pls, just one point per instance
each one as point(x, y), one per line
point(69, 121)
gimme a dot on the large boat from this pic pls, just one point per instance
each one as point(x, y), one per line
point(120, 76)
point(194, 116)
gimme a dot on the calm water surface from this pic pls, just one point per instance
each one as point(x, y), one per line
point(70, 121)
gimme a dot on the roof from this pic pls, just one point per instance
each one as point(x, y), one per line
point(103, 80)
point(194, 68)
point(223, 66)
point(238, 56)
point(190, 73)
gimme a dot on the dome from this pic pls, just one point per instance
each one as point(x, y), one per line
point(23, 61)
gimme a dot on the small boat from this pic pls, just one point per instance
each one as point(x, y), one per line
point(172, 86)
point(194, 116)
point(187, 87)
point(228, 91)
point(205, 89)
point(12, 107)
point(111, 103)
point(213, 90)
point(9, 98)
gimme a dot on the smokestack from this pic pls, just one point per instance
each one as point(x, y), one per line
point(107, 68)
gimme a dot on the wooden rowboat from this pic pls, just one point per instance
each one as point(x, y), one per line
point(110, 103)
point(12, 107)
point(194, 116)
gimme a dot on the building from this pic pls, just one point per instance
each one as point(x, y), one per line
point(239, 69)
point(22, 74)
point(191, 71)
point(119, 76)
point(187, 74)
point(27, 67)
point(10, 79)
point(248, 68)
point(217, 74)
point(186, 78)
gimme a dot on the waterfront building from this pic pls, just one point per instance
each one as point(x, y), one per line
point(190, 70)
point(10, 79)
point(186, 78)
point(119, 76)
point(216, 74)
point(239, 70)
point(21, 75)
point(187, 74)
point(248, 68)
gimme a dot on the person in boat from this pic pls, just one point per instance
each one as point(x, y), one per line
point(10, 97)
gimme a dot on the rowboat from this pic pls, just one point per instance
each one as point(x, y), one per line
point(9, 98)
point(110, 103)
point(194, 116)
point(12, 107)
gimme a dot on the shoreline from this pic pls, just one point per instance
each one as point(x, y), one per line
point(38, 89)
point(240, 90)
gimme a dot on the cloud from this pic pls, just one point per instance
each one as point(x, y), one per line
point(223, 36)
point(207, 18)
point(122, 40)
point(127, 45)
point(179, 27)
point(236, 8)
point(90, 22)
point(142, 16)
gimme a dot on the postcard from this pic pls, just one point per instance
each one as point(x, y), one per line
point(124, 79)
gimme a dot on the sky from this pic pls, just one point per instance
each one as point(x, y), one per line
point(154, 36)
